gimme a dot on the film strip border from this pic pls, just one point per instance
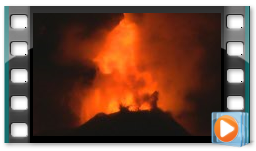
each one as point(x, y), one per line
point(12, 62)
point(240, 62)
point(23, 62)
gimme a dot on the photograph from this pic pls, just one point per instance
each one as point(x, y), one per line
point(125, 74)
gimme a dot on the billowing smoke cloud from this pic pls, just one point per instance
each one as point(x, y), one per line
point(182, 51)
point(136, 60)
point(60, 66)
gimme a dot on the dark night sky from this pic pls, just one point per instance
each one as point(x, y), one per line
point(55, 75)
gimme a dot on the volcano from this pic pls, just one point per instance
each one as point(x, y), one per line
point(129, 123)
point(126, 122)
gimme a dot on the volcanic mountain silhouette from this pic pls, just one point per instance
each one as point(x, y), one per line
point(128, 123)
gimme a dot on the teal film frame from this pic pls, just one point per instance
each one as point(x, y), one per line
point(8, 87)
point(6, 73)
point(247, 64)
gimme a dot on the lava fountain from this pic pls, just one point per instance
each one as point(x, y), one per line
point(119, 81)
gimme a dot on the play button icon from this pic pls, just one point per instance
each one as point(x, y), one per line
point(226, 128)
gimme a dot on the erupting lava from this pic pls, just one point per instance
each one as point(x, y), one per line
point(110, 62)
point(119, 81)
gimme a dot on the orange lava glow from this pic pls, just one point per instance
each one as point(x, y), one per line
point(119, 81)
point(142, 62)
